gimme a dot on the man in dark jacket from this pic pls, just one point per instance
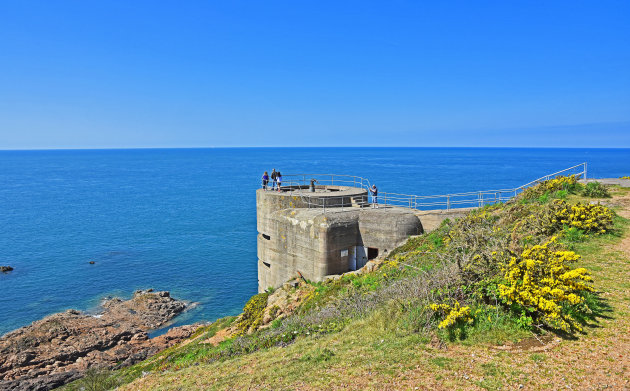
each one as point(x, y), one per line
point(374, 191)
point(274, 179)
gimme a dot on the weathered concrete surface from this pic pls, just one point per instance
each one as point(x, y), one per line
point(268, 201)
point(318, 242)
point(431, 219)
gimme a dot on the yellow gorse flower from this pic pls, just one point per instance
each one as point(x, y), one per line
point(541, 278)
point(587, 217)
point(452, 314)
point(551, 185)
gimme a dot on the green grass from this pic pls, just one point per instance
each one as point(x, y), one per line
point(441, 362)
point(384, 341)
point(537, 357)
point(494, 326)
point(174, 357)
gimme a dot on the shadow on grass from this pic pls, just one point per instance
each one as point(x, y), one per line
point(598, 308)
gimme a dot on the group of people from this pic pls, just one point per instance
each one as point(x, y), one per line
point(276, 183)
point(276, 180)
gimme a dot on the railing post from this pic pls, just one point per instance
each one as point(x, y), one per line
point(448, 202)
point(584, 170)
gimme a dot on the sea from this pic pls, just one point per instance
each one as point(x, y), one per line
point(184, 220)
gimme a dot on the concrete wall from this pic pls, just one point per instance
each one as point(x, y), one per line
point(432, 219)
point(268, 202)
point(312, 241)
point(304, 240)
point(386, 228)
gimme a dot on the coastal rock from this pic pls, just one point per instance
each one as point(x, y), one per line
point(284, 302)
point(61, 347)
point(5, 269)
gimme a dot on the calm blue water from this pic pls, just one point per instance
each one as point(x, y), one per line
point(184, 219)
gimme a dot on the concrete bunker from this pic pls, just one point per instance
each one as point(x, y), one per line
point(323, 232)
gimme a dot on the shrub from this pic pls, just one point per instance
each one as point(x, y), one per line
point(454, 315)
point(562, 194)
point(543, 199)
point(596, 190)
point(568, 183)
point(572, 234)
point(559, 215)
point(587, 217)
point(561, 183)
point(98, 380)
point(476, 244)
point(540, 282)
point(252, 315)
point(543, 221)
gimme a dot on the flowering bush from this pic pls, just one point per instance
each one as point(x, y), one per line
point(252, 315)
point(541, 282)
point(587, 217)
point(568, 183)
point(559, 215)
point(595, 189)
point(560, 183)
point(454, 315)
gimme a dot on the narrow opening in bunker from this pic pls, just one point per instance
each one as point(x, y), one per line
point(266, 236)
point(372, 253)
point(266, 264)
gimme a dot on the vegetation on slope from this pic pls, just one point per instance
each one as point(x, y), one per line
point(503, 273)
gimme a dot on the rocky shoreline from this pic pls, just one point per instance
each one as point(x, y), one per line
point(61, 347)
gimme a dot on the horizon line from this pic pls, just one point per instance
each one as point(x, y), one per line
point(287, 147)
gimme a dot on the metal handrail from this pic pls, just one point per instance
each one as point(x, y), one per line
point(298, 182)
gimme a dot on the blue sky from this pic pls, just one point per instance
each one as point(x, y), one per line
point(117, 74)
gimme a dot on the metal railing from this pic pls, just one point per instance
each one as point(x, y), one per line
point(325, 180)
point(300, 183)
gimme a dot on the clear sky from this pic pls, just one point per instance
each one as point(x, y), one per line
point(116, 74)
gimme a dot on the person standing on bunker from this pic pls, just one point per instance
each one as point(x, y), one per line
point(279, 179)
point(265, 180)
point(374, 191)
point(274, 179)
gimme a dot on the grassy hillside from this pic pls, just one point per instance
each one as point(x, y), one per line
point(530, 294)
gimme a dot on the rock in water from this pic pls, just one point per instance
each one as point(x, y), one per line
point(5, 269)
point(61, 347)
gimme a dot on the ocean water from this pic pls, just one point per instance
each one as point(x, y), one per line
point(184, 220)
